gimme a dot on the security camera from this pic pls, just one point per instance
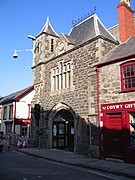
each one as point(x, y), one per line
point(15, 55)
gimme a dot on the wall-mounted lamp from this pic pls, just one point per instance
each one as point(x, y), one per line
point(15, 55)
point(31, 37)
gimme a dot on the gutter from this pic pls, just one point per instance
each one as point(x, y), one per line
point(115, 60)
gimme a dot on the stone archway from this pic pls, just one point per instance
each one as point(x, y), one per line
point(62, 118)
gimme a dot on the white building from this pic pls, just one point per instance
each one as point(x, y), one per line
point(16, 112)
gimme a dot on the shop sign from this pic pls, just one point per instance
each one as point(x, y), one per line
point(124, 106)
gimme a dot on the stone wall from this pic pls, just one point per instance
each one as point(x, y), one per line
point(81, 97)
point(110, 85)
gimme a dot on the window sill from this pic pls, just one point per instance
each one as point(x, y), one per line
point(126, 91)
point(61, 91)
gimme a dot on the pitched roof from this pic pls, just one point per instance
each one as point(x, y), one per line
point(48, 29)
point(16, 95)
point(125, 49)
point(88, 29)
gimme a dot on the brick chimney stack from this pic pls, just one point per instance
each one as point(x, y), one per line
point(125, 20)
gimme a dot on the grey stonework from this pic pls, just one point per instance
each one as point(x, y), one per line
point(110, 85)
point(80, 99)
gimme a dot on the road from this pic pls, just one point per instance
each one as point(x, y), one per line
point(18, 166)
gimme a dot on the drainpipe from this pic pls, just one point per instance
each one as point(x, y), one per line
point(99, 118)
point(28, 125)
point(14, 117)
point(29, 106)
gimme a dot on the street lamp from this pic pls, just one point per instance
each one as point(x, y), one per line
point(31, 37)
point(15, 55)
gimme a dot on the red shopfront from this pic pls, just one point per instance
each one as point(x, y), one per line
point(118, 131)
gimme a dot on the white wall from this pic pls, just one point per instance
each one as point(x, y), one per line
point(22, 108)
point(3, 127)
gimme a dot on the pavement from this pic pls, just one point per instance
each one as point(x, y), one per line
point(71, 158)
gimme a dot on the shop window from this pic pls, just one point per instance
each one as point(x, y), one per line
point(128, 76)
point(132, 129)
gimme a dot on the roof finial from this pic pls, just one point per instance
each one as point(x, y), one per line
point(47, 19)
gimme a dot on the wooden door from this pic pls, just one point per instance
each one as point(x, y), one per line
point(59, 135)
point(113, 135)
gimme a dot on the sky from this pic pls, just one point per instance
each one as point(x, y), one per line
point(20, 18)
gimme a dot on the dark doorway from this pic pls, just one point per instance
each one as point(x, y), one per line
point(63, 131)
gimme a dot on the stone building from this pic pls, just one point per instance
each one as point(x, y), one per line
point(65, 109)
point(116, 82)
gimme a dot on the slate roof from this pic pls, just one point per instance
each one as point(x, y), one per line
point(70, 39)
point(15, 96)
point(123, 50)
point(48, 29)
point(88, 29)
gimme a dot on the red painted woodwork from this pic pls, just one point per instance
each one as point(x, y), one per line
point(128, 76)
point(118, 107)
point(113, 135)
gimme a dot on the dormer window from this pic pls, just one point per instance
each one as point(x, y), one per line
point(128, 76)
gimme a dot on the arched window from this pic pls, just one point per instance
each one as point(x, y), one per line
point(61, 76)
point(128, 76)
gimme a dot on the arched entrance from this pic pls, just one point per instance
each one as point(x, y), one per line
point(63, 130)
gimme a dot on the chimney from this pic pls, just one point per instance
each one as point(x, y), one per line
point(125, 20)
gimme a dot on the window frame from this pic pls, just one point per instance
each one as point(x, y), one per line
point(61, 76)
point(4, 112)
point(122, 66)
point(24, 130)
point(11, 111)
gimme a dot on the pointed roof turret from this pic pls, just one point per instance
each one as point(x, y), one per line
point(48, 29)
